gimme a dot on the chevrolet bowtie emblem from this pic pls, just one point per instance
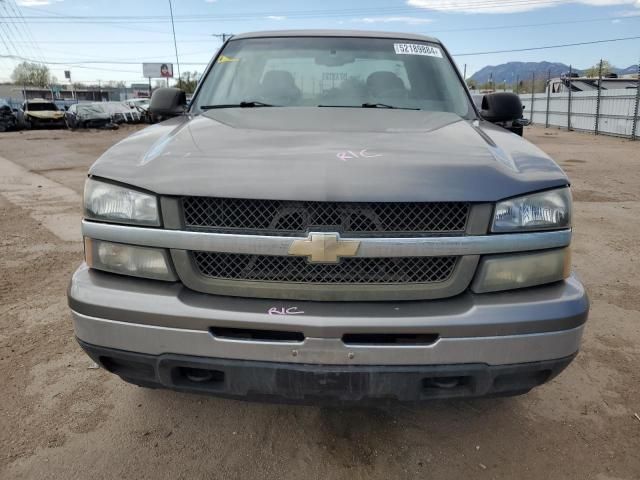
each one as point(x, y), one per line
point(324, 248)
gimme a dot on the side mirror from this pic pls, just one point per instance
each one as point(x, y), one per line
point(168, 102)
point(501, 107)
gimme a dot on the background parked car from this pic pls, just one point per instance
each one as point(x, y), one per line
point(121, 113)
point(8, 117)
point(88, 115)
point(141, 105)
point(42, 113)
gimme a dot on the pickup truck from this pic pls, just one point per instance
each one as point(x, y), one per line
point(330, 219)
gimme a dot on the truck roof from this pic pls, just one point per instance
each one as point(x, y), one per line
point(336, 33)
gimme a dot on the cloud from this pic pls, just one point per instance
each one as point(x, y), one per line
point(275, 17)
point(511, 6)
point(629, 13)
point(210, 1)
point(36, 3)
point(407, 20)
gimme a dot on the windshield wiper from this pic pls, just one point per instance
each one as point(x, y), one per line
point(377, 105)
point(249, 104)
point(384, 105)
point(369, 105)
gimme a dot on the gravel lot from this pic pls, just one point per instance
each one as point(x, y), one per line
point(60, 418)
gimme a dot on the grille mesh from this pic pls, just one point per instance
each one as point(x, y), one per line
point(298, 217)
point(356, 270)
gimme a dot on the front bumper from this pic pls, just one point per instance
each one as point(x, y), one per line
point(156, 318)
point(306, 383)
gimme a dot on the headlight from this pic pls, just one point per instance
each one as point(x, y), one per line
point(540, 211)
point(113, 203)
point(508, 272)
point(131, 260)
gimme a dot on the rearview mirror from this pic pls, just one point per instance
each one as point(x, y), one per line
point(168, 102)
point(501, 107)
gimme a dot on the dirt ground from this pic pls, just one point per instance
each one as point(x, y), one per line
point(60, 418)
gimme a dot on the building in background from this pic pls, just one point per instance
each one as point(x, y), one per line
point(587, 84)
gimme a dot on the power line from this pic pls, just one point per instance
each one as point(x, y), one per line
point(526, 25)
point(466, 29)
point(16, 9)
point(547, 47)
point(175, 44)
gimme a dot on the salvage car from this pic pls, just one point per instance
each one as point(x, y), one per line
point(330, 220)
point(8, 117)
point(88, 115)
point(40, 113)
point(121, 113)
point(140, 105)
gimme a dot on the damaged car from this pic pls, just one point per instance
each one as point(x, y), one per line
point(8, 117)
point(88, 115)
point(121, 113)
point(41, 113)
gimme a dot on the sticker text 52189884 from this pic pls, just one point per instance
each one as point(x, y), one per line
point(417, 49)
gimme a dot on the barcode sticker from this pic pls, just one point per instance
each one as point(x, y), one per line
point(417, 49)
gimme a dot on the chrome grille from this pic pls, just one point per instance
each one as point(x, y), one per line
point(356, 270)
point(295, 218)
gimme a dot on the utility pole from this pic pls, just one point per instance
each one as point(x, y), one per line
point(634, 129)
point(222, 36)
point(570, 98)
point(175, 44)
point(533, 92)
point(599, 98)
point(546, 121)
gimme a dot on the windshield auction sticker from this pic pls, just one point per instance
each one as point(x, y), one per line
point(417, 49)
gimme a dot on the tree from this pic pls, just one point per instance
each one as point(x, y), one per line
point(188, 81)
point(594, 71)
point(32, 74)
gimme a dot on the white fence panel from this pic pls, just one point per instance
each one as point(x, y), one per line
point(616, 115)
point(616, 112)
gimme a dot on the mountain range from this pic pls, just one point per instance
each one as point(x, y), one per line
point(512, 71)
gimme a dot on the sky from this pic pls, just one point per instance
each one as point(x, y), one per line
point(77, 34)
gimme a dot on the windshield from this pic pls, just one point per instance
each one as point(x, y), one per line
point(332, 72)
point(90, 109)
point(41, 107)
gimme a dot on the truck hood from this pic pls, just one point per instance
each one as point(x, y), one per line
point(330, 154)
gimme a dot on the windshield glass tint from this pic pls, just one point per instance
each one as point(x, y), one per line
point(90, 109)
point(330, 71)
point(41, 107)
